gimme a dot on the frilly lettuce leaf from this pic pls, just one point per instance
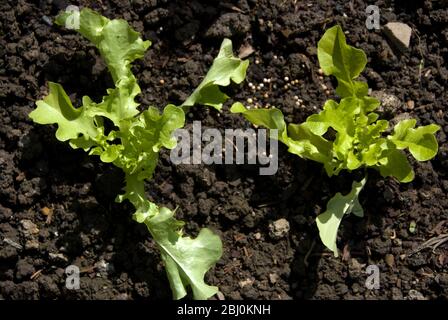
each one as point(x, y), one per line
point(421, 142)
point(394, 163)
point(119, 45)
point(186, 260)
point(298, 138)
point(57, 108)
point(225, 68)
point(338, 206)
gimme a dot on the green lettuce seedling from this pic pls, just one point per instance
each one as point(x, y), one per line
point(360, 138)
point(134, 143)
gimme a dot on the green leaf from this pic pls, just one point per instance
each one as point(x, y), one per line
point(421, 141)
point(119, 46)
point(186, 259)
point(225, 67)
point(90, 23)
point(57, 108)
point(372, 154)
point(111, 153)
point(395, 164)
point(305, 143)
point(162, 127)
point(268, 118)
point(338, 206)
point(117, 42)
point(340, 117)
point(342, 61)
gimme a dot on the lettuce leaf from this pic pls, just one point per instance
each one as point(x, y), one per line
point(328, 222)
point(225, 68)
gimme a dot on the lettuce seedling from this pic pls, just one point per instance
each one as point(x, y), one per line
point(358, 139)
point(136, 138)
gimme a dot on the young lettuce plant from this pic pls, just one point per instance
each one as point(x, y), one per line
point(360, 139)
point(136, 138)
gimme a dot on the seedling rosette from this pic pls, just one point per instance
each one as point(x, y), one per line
point(360, 141)
point(134, 142)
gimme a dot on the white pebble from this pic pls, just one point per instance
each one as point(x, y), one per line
point(250, 100)
point(286, 79)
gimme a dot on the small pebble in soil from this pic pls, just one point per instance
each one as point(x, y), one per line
point(410, 104)
point(415, 295)
point(273, 278)
point(247, 282)
point(29, 228)
point(32, 244)
point(279, 228)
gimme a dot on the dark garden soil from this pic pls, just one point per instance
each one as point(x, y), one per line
point(56, 203)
